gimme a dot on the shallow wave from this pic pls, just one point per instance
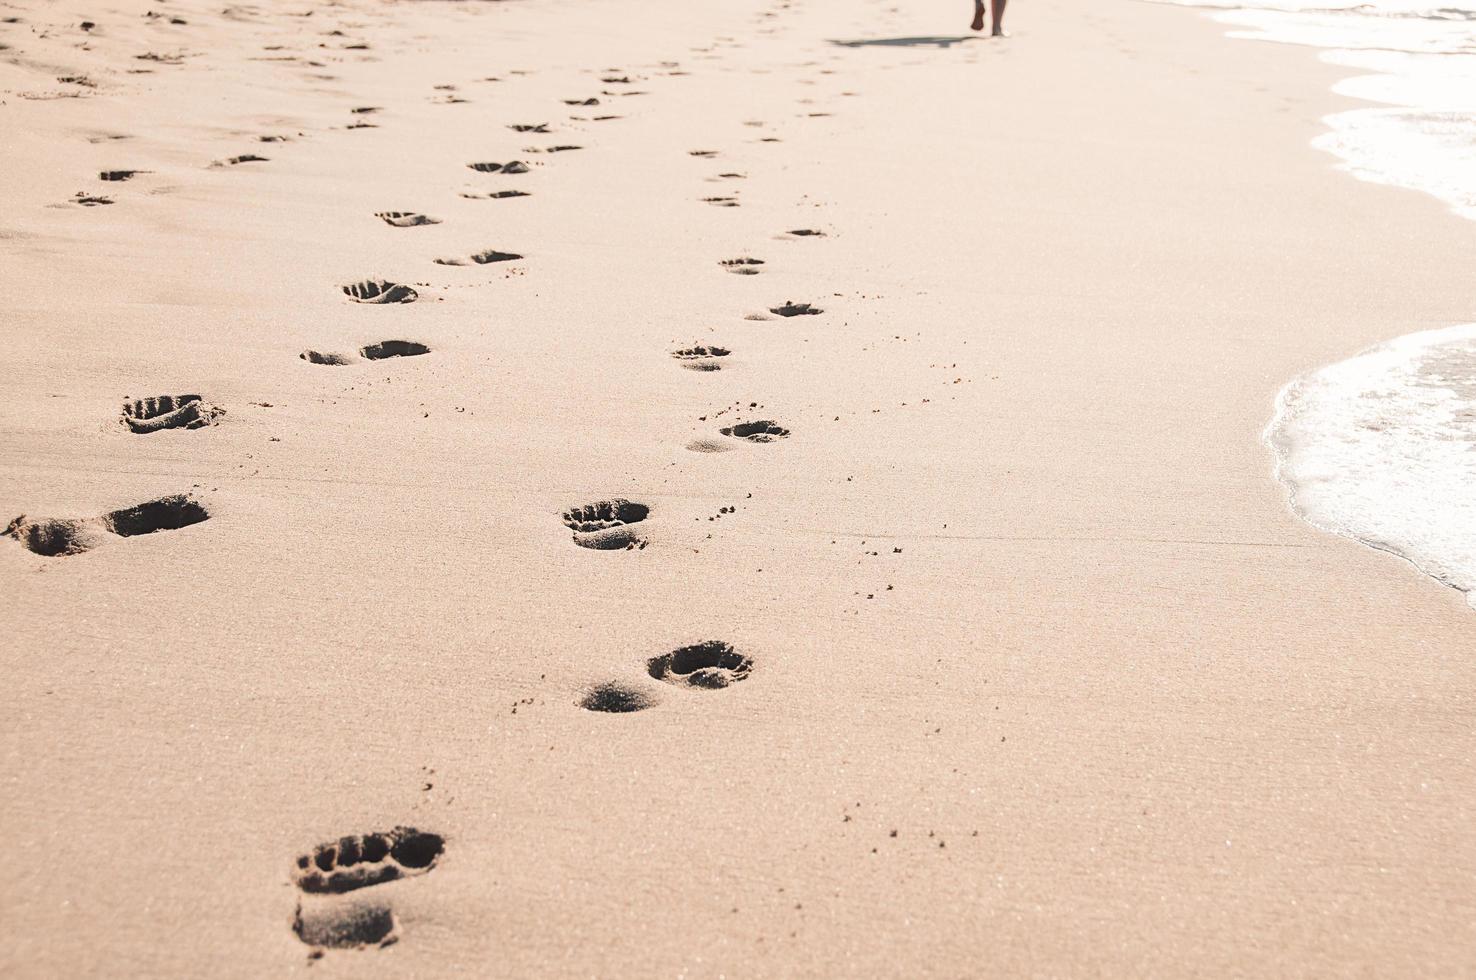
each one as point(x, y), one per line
point(1381, 448)
point(1433, 152)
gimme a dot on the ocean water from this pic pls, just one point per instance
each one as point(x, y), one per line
point(1381, 447)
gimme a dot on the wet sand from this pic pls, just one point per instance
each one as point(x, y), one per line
point(1043, 678)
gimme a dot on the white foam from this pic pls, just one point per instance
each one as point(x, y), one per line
point(1382, 448)
point(1422, 57)
point(1434, 152)
point(1358, 29)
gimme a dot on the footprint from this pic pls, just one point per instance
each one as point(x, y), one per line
point(701, 357)
point(350, 863)
point(590, 101)
point(511, 167)
point(702, 153)
point(169, 412)
point(243, 158)
point(708, 446)
point(806, 233)
point(605, 526)
point(406, 219)
point(364, 110)
point(529, 127)
point(346, 865)
point(795, 309)
point(314, 357)
point(550, 149)
point(721, 202)
point(119, 175)
point(481, 258)
point(393, 348)
point(494, 195)
point(379, 291)
point(742, 266)
point(616, 697)
point(55, 538)
point(711, 665)
point(351, 925)
point(762, 431)
point(89, 200)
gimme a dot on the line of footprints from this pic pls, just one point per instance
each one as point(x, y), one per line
point(334, 910)
point(328, 917)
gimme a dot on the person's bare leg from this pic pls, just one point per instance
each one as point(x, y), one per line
point(978, 24)
point(997, 7)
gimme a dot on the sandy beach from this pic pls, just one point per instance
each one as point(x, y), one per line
point(1033, 671)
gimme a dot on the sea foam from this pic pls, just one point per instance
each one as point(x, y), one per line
point(1382, 448)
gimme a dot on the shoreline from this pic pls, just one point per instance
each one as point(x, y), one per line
point(1124, 711)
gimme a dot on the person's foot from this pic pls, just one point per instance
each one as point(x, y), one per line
point(999, 32)
point(978, 24)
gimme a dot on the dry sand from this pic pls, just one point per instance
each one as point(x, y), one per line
point(1046, 679)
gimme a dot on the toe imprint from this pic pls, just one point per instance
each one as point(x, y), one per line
point(169, 412)
point(359, 861)
point(764, 431)
point(710, 665)
point(379, 291)
point(605, 526)
point(701, 357)
point(406, 219)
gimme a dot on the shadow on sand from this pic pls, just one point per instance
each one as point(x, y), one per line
point(908, 42)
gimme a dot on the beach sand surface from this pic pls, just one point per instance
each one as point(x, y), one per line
point(1046, 677)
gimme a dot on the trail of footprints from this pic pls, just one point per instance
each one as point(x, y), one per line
point(343, 899)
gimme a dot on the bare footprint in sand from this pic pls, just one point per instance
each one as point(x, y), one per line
point(742, 266)
point(701, 357)
point(373, 352)
point(145, 415)
point(86, 200)
point(406, 219)
point(761, 431)
point(615, 698)
point(481, 258)
point(494, 195)
point(57, 538)
point(606, 525)
point(392, 348)
point(379, 291)
point(711, 665)
point(511, 167)
point(795, 309)
point(349, 864)
point(236, 161)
